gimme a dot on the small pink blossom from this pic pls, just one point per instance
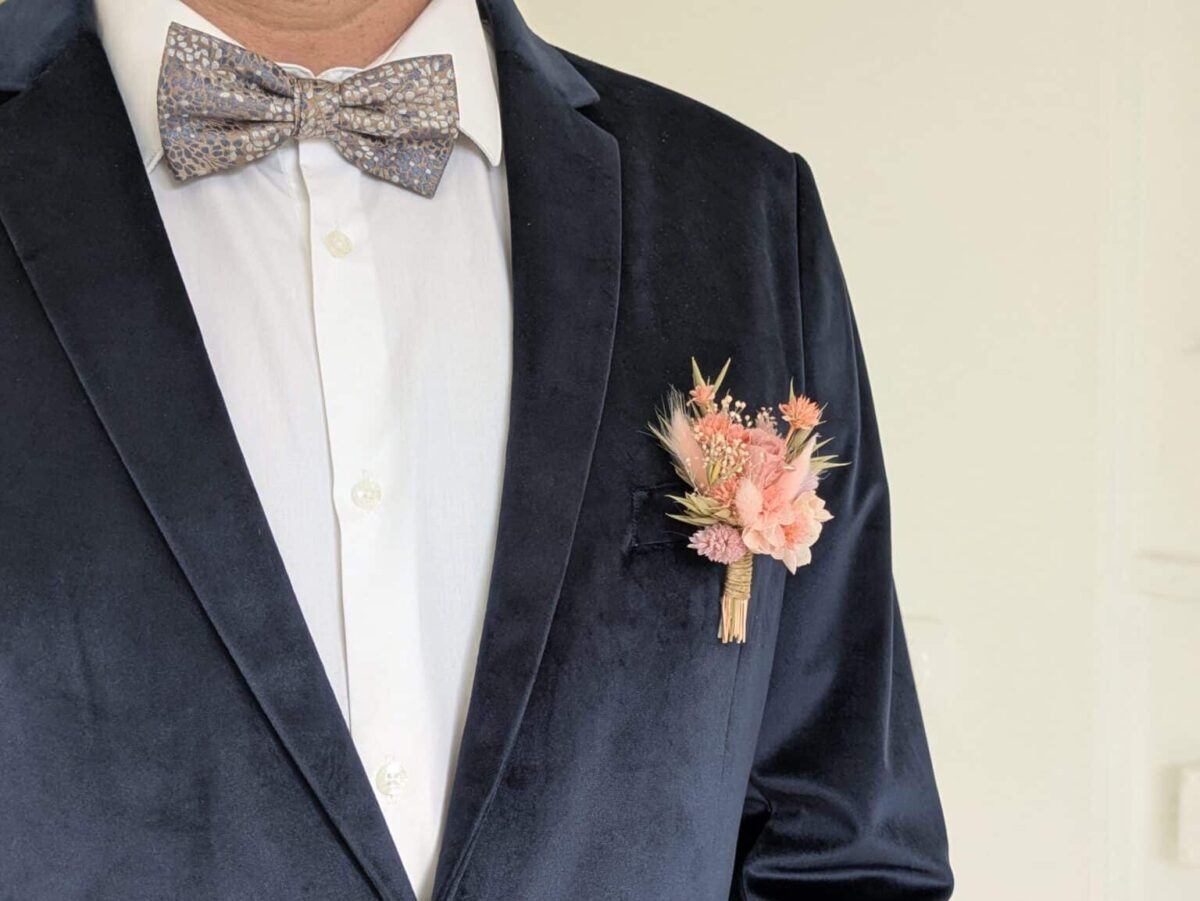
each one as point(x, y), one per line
point(720, 543)
point(704, 396)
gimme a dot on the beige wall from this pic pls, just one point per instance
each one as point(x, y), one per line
point(1013, 192)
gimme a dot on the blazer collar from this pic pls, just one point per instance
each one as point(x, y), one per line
point(547, 63)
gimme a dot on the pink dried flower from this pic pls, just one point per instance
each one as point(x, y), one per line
point(768, 441)
point(765, 456)
point(782, 517)
point(704, 396)
point(720, 543)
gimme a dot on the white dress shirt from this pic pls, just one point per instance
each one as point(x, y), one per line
point(361, 337)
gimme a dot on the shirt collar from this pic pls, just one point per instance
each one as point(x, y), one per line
point(134, 32)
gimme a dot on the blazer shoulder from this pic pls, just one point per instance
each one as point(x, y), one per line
point(672, 135)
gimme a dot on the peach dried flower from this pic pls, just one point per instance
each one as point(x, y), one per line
point(800, 412)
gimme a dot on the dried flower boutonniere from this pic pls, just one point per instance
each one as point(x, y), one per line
point(752, 487)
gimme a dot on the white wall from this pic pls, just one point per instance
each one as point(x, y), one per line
point(1166, 515)
point(1013, 191)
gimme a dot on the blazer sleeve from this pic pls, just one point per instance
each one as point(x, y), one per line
point(841, 802)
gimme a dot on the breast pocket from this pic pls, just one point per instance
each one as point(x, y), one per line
point(688, 584)
point(650, 528)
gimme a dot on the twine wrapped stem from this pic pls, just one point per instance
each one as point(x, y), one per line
point(735, 599)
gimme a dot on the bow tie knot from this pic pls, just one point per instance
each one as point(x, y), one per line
point(220, 106)
point(316, 109)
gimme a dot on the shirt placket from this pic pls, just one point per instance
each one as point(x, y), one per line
point(373, 498)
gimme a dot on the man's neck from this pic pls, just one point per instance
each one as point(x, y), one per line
point(318, 36)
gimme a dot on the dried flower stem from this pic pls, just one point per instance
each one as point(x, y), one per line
point(735, 599)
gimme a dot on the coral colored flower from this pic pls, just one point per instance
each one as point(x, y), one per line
point(719, 543)
point(724, 491)
point(800, 412)
point(711, 425)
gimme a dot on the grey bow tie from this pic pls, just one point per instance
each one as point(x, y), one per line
point(220, 105)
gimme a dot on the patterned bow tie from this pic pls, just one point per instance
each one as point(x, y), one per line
point(220, 105)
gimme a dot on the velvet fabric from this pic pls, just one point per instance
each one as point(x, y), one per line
point(166, 728)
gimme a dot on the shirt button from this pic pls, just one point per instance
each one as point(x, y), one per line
point(366, 493)
point(338, 243)
point(391, 778)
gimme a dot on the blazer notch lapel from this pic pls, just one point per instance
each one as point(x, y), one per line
point(565, 209)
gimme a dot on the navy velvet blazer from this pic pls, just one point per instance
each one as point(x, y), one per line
point(166, 728)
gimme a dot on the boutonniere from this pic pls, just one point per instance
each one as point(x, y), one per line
point(752, 485)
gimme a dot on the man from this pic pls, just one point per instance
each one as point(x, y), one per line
point(335, 560)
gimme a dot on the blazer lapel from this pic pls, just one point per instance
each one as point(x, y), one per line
point(78, 208)
point(565, 209)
